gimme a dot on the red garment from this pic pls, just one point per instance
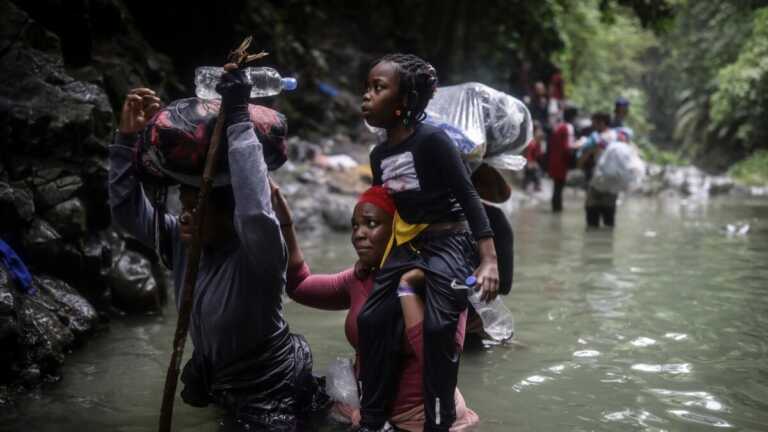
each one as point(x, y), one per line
point(559, 151)
point(557, 86)
point(344, 290)
point(533, 151)
point(378, 196)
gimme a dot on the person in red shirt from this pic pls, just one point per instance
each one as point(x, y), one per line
point(532, 157)
point(559, 148)
point(349, 289)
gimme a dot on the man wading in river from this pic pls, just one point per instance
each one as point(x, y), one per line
point(244, 360)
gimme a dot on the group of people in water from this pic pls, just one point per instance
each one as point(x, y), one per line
point(560, 145)
point(419, 227)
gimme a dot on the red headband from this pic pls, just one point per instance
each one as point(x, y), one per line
point(379, 197)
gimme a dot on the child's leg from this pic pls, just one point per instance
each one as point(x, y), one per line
point(441, 354)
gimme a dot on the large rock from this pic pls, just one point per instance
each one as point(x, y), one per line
point(337, 211)
point(73, 310)
point(134, 286)
point(68, 218)
point(55, 192)
point(16, 206)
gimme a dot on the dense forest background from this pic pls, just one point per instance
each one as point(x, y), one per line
point(695, 71)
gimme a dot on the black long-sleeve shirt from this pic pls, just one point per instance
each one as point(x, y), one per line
point(429, 181)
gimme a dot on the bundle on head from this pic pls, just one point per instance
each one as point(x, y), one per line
point(173, 146)
point(418, 82)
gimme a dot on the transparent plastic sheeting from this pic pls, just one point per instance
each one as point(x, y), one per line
point(487, 125)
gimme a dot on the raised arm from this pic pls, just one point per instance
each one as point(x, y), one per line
point(130, 208)
point(254, 220)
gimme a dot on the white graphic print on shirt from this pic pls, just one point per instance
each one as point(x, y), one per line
point(398, 173)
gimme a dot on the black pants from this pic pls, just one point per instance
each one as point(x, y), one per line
point(600, 206)
point(531, 175)
point(443, 257)
point(557, 195)
point(596, 213)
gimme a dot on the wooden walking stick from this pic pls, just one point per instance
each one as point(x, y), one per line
point(240, 57)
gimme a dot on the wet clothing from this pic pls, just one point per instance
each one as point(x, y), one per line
point(244, 355)
point(428, 180)
point(600, 206)
point(345, 291)
point(557, 195)
point(443, 256)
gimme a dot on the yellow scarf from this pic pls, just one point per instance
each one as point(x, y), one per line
point(402, 232)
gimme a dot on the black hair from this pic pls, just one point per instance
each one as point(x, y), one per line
point(418, 82)
point(570, 112)
point(602, 117)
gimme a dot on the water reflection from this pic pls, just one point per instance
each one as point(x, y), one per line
point(659, 324)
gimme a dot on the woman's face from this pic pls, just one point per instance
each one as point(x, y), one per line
point(382, 96)
point(371, 228)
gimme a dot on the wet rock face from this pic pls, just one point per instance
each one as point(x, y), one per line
point(64, 69)
point(36, 330)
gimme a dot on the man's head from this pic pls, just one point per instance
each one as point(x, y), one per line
point(600, 121)
point(217, 226)
point(570, 113)
point(621, 108)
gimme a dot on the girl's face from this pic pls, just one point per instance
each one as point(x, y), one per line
point(371, 228)
point(382, 96)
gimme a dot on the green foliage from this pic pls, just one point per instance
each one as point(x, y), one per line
point(709, 86)
point(752, 170)
point(658, 156)
point(741, 98)
point(603, 59)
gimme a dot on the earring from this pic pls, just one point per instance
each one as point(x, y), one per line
point(397, 113)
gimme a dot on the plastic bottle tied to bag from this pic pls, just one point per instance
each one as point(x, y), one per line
point(266, 81)
point(498, 322)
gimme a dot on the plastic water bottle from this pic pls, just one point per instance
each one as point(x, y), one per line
point(497, 319)
point(266, 81)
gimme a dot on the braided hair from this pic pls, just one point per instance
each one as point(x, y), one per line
point(418, 82)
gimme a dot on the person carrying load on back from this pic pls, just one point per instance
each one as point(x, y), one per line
point(245, 360)
point(422, 169)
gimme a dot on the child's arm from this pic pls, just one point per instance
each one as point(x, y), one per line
point(446, 159)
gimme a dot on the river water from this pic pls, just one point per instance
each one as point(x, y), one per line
point(661, 324)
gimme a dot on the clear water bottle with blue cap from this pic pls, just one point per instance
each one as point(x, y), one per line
point(266, 81)
point(497, 319)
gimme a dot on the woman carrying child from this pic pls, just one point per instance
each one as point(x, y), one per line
point(421, 168)
point(349, 289)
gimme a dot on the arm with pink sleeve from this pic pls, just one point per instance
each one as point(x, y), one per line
point(323, 291)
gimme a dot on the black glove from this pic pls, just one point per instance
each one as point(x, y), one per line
point(235, 90)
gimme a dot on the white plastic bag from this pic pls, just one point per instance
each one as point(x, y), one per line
point(487, 125)
point(340, 382)
point(619, 168)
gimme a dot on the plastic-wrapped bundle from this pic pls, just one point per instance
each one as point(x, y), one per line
point(487, 125)
point(619, 168)
point(173, 146)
